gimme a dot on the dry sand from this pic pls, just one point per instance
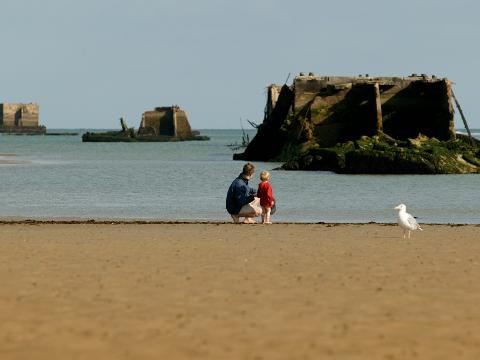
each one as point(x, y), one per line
point(221, 291)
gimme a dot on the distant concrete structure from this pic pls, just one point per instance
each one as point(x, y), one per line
point(163, 124)
point(165, 121)
point(20, 118)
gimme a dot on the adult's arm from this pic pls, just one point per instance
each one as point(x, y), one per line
point(244, 194)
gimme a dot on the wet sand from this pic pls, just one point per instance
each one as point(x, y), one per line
point(11, 162)
point(222, 291)
point(14, 162)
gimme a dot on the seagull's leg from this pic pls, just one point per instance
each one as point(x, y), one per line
point(409, 234)
point(404, 232)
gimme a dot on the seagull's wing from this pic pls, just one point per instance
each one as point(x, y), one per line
point(411, 221)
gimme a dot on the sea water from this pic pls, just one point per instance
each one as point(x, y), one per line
point(61, 177)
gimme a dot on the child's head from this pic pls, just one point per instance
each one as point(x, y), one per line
point(264, 176)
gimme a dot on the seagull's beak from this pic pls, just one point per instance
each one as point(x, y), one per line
point(396, 207)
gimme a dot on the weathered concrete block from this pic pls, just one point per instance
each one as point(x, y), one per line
point(321, 111)
point(20, 116)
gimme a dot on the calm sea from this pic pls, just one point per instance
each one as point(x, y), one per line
point(65, 178)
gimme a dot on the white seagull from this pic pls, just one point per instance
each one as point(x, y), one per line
point(406, 221)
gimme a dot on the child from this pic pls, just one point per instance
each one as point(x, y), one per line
point(266, 197)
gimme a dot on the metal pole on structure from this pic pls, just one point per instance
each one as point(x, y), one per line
point(463, 119)
point(378, 108)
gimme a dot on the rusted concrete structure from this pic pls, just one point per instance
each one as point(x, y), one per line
point(326, 110)
point(163, 124)
point(165, 121)
point(20, 118)
point(342, 108)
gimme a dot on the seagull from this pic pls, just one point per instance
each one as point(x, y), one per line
point(406, 221)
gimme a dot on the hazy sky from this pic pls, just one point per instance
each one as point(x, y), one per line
point(89, 62)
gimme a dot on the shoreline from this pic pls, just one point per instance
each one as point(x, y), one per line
point(120, 221)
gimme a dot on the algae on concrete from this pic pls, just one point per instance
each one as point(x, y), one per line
point(381, 154)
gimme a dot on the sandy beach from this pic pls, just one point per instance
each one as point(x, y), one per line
point(223, 291)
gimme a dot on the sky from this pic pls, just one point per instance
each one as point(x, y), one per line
point(89, 62)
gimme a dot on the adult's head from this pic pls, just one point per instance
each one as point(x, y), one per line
point(248, 170)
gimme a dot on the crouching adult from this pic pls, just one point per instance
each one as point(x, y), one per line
point(241, 200)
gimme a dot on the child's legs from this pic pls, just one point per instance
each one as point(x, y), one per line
point(266, 214)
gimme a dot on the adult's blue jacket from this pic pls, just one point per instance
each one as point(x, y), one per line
point(239, 194)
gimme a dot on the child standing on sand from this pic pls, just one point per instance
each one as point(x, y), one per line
point(266, 196)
